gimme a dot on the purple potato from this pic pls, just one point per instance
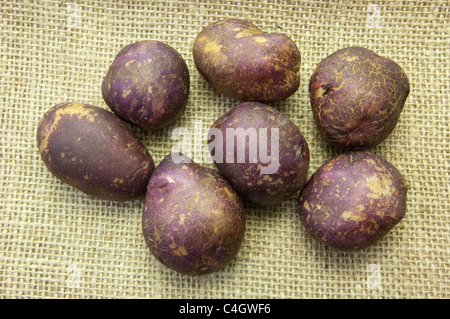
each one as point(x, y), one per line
point(357, 97)
point(244, 63)
point(193, 221)
point(94, 151)
point(244, 136)
point(147, 85)
point(353, 200)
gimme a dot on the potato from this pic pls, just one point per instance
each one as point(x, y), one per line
point(94, 151)
point(147, 85)
point(357, 97)
point(244, 63)
point(260, 151)
point(353, 200)
point(193, 221)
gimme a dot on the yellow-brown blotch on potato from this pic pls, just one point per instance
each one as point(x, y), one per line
point(244, 63)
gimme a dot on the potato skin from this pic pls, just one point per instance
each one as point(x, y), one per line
point(353, 200)
point(357, 97)
point(244, 63)
point(147, 85)
point(193, 221)
point(94, 151)
point(247, 178)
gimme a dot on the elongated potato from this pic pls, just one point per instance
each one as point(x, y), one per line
point(94, 151)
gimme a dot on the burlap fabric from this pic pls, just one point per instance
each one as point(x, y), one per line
point(57, 242)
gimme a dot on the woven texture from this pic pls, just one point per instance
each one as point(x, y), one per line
point(56, 242)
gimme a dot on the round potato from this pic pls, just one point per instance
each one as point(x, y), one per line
point(357, 97)
point(94, 151)
point(147, 85)
point(353, 200)
point(261, 152)
point(193, 221)
point(244, 63)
